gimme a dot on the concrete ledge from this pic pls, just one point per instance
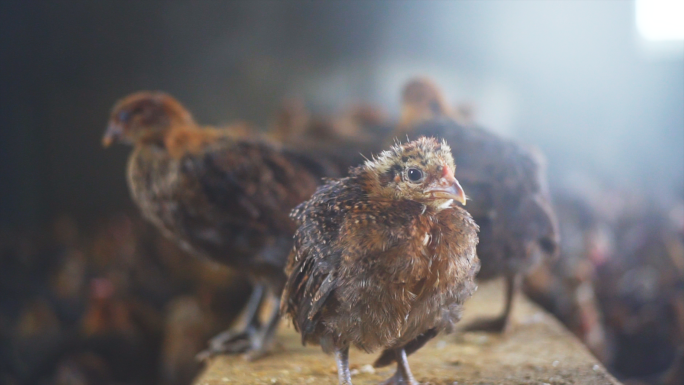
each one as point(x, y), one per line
point(538, 350)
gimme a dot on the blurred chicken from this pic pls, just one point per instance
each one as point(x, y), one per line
point(565, 286)
point(218, 195)
point(641, 291)
point(506, 186)
point(342, 140)
point(118, 330)
point(383, 258)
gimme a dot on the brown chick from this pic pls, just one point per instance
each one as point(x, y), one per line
point(383, 259)
point(219, 196)
point(507, 183)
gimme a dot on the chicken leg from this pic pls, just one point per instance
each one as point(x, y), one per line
point(343, 373)
point(231, 341)
point(501, 323)
point(403, 375)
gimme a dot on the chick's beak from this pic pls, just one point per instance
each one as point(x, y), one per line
point(114, 131)
point(448, 187)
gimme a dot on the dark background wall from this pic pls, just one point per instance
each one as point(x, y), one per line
point(573, 78)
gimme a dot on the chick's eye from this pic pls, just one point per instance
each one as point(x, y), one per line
point(415, 175)
point(123, 116)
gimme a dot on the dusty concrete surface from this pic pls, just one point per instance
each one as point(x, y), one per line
point(537, 350)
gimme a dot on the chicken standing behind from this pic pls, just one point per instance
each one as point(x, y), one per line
point(219, 195)
point(343, 139)
point(506, 181)
point(383, 258)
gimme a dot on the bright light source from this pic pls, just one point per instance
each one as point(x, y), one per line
point(660, 19)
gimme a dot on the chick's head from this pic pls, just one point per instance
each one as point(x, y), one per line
point(144, 117)
point(421, 170)
point(421, 100)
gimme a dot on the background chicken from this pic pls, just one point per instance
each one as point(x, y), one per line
point(565, 286)
point(506, 185)
point(344, 140)
point(641, 292)
point(98, 312)
point(383, 258)
point(220, 195)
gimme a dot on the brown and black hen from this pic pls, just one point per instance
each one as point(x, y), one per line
point(506, 183)
point(383, 258)
point(219, 195)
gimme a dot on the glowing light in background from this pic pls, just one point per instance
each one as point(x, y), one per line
point(660, 19)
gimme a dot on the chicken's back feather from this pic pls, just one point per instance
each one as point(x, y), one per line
point(226, 198)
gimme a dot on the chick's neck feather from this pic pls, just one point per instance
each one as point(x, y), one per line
point(189, 139)
point(181, 139)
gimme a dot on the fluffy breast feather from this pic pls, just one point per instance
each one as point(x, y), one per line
point(363, 271)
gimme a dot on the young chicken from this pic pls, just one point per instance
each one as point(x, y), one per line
point(343, 139)
point(510, 201)
point(383, 258)
point(218, 195)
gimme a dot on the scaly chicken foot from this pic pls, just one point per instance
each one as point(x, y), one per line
point(240, 341)
point(264, 338)
point(403, 375)
point(343, 373)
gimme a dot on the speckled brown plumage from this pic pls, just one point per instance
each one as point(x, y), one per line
point(218, 195)
point(381, 261)
point(506, 185)
point(227, 202)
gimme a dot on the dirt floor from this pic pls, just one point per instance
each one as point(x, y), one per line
point(537, 350)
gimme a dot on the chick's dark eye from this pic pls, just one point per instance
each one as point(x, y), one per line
point(123, 116)
point(415, 175)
